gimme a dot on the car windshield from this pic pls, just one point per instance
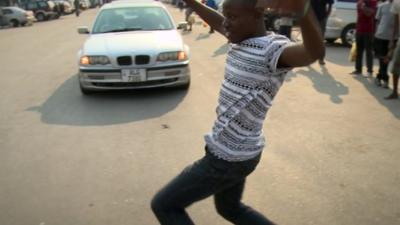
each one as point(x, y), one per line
point(132, 19)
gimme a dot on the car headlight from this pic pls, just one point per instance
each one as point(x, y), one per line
point(95, 60)
point(172, 56)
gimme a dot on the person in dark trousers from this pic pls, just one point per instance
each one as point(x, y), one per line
point(322, 9)
point(383, 36)
point(365, 30)
point(256, 66)
point(77, 7)
point(213, 5)
point(285, 26)
point(394, 52)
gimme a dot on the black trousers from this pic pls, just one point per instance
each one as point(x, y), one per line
point(364, 43)
point(207, 177)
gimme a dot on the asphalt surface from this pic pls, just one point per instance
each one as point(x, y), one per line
point(65, 159)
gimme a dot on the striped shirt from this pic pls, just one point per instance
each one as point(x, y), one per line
point(251, 82)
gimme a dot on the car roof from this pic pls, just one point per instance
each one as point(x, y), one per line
point(132, 3)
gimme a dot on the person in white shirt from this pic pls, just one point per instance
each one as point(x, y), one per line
point(256, 65)
point(395, 52)
point(383, 37)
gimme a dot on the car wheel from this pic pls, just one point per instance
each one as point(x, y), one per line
point(40, 17)
point(330, 40)
point(349, 35)
point(15, 23)
point(276, 24)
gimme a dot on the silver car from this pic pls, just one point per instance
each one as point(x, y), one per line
point(17, 16)
point(133, 45)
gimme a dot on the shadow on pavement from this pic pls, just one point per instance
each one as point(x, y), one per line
point(335, 54)
point(324, 83)
point(67, 106)
point(221, 50)
point(379, 93)
point(202, 36)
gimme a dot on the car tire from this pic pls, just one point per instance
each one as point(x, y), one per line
point(14, 23)
point(348, 35)
point(330, 40)
point(40, 17)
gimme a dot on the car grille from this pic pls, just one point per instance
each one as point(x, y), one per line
point(142, 59)
point(124, 60)
point(135, 84)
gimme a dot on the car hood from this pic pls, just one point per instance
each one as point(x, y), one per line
point(135, 42)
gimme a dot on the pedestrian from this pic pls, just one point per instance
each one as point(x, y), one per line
point(394, 52)
point(213, 5)
point(189, 17)
point(285, 26)
point(256, 66)
point(383, 36)
point(365, 30)
point(77, 7)
point(322, 9)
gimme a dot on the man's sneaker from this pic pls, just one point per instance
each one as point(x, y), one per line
point(385, 84)
point(355, 73)
point(378, 82)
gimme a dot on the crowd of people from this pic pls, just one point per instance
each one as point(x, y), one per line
point(377, 31)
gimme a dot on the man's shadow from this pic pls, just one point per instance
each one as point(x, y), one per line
point(323, 82)
point(379, 93)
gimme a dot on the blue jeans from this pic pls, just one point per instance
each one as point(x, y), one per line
point(206, 177)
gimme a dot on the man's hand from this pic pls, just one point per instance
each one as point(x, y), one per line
point(210, 16)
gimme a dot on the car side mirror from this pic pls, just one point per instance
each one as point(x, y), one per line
point(182, 25)
point(83, 30)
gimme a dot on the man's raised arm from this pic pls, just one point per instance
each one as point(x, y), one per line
point(212, 17)
point(310, 50)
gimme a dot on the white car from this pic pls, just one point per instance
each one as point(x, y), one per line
point(133, 45)
point(342, 22)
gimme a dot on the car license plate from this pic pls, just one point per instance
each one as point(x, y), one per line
point(133, 75)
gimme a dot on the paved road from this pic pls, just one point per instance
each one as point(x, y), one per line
point(66, 159)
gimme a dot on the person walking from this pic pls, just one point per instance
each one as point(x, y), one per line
point(365, 30)
point(383, 36)
point(394, 52)
point(285, 26)
point(213, 5)
point(77, 7)
point(322, 9)
point(256, 66)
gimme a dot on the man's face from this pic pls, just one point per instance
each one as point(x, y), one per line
point(241, 21)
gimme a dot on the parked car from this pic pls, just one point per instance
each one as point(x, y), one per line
point(43, 10)
point(133, 45)
point(3, 21)
point(66, 6)
point(17, 16)
point(342, 22)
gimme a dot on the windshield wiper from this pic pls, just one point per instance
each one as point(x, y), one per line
point(123, 30)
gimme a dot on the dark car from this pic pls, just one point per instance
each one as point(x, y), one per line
point(43, 10)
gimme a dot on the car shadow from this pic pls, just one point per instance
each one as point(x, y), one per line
point(67, 106)
point(379, 93)
point(323, 82)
